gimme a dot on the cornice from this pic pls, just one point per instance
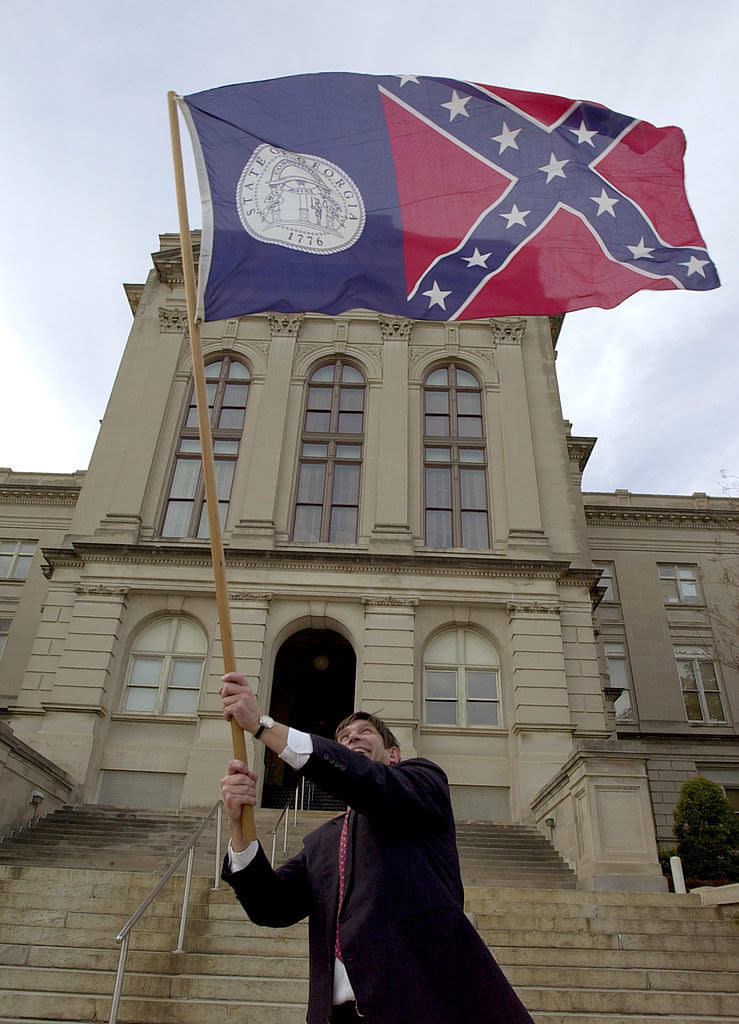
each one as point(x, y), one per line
point(579, 449)
point(134, 292)
point(295, 560)
point(700, 519)
point(17, 494)
point(555, 326)
point(168, 264)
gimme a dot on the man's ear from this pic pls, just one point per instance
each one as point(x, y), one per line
point(394, 755)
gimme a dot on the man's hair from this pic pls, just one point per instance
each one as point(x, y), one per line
point(386, 735)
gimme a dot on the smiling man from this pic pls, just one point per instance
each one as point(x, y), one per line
point(380, 885)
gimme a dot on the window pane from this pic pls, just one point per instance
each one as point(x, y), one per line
point(27, 547)
point(441, 684)
point(439, 378)
point(185, 478)
point(235, 394)
point(438, 488)
point(692, 707)
point(190, 444)
point(350, 422)
point(482, 684)
point(343, 527)
point(669, 591)
point(466, 380)
point(348, 451)
point(469, 426)
point(622, 707)
point(474, 530)
point(346, 485)
point(238, 370)
point(351, 399)
point(204, 526)
point(310, 488)
point(181, 702)
point(686, 573)
point(308, 523)
point(22, 566)
point(439, 529)
point(441, 712)
point(477, 651)
point(325, 373)
point(471, 455)
point(437, 401)
point(140, 699)
point(351, 375)
point(155, 637)
point(190, 638)
point(617, 672)
point(686, 671)
point(210, 391)
point(213, 370)
point(318, 422)
point(185, 674)
point(667, 571)
point(689, 591)
point(472, 487)
point(708, 675)
point(437, 426)
point(715, 707)
point(145, 671)
point(225, 447)
point(231, 419)
point(468, 403)
point(192, 418)
point(482, 712)
point(224, 478)
point(443, 648)
point(5, 563)
point(438, 455)
point(315, 450)
point(177, 519)
point(319, 398)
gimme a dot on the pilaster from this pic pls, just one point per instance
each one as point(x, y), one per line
point(387, 687)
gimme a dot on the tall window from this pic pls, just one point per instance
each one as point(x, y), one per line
point(166, 668)
point(15, 558)
point(227, 385)
point(608, 580)
point(454, 460)
point(700, 685)
point(461, 680)
point(4, 631)
point(679, 584)
point(619, 676)
point(327, 499)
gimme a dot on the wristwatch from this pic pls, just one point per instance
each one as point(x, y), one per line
point(265, 722)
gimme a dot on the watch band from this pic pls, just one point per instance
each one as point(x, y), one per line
point(260, 730)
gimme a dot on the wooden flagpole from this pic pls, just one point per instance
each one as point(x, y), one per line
point(206, 443)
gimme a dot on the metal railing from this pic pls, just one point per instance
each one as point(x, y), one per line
point(124, 936)
point(298, 797)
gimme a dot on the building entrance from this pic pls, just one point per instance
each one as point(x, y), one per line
point(312, 690)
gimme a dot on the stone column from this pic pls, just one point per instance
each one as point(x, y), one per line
point(524, 513)
point(212, 747)
point(387, 685)
point(541, 727)
point(391, 532)
point(257, 527)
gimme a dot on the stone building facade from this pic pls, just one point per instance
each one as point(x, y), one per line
point(405, 532)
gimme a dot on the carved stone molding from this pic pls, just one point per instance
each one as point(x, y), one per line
point(341, 330)
point(684, 518)
point(579, 450)
point(172, 320)
point(395, 328)
point(101, 590)
point(232, 327)
point(13, 495)
point(262, 597)
point(390, 602)
point(451, 338)
point(508, 332)
point(533, 608)
point(285, 325)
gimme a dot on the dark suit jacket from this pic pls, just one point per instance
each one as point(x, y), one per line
point(411, 954)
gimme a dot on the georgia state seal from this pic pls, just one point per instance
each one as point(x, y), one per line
point(299, 201)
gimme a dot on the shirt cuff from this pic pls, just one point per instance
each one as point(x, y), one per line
point(240, 859)
point(299, 748)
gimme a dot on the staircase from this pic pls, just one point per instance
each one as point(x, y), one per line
point(510, 855)
point(574, 957)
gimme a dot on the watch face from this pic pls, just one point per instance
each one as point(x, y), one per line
point(267, 721)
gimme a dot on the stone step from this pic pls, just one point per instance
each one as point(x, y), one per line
point(570, 1000)
point(631, 940)
point(609, 924)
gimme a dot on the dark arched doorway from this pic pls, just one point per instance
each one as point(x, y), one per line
point(312, 690)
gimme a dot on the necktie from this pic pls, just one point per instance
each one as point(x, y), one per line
point(342, 876)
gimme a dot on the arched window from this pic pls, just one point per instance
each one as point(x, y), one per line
point(461, 680)
point(454, 460)
point(227, 385)
point(165, 669)
point(327, 498)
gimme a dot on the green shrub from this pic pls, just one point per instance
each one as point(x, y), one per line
point(707, 832)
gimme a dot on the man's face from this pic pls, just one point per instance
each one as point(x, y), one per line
point(361, 736)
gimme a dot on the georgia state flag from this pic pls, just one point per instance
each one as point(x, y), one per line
point(433, 199)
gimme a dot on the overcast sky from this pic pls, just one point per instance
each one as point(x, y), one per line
point(87, 187)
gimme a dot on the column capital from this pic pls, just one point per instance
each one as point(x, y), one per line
point(395, 328)
point(285, 325)
point(508, 332)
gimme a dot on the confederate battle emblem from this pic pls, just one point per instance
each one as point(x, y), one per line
point(299, 201)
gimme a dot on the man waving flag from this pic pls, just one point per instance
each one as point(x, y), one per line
point(433, 199)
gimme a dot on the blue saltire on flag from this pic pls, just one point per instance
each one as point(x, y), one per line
point(434, 199)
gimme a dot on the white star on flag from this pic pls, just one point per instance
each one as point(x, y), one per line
point(641, 251)
point(477, 259)
point(583, 135)
point(506, 139)
point(404, 79)
point(554, 168)
point(456, 105)
point(516, 216)
point(436, 296)
point(605, 203)
point(695, 266)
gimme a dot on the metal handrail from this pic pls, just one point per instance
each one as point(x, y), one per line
point(124, 936)
point(286, 816)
